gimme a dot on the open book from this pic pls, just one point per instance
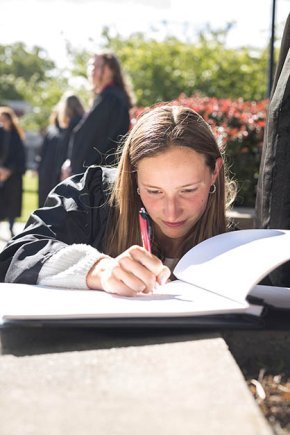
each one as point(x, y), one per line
point(213, 281)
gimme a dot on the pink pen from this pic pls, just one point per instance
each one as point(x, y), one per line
point(145, 229)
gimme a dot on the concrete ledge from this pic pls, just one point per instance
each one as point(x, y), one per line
point(183, 388)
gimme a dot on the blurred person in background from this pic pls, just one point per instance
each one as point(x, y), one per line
point(273, 188)
point(12, 166)
point(67, 114)
point(96, 138)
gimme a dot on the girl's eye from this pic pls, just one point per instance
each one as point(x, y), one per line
point(154, 192)
point(189, 190)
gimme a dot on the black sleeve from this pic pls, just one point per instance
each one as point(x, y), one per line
point(16, 160)
point(68, 217)
point(97, 134)
point(42, 153)
point(1, 138)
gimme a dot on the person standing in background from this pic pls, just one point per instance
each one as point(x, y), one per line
point(12, 166)
point(96, 138)
point(68, 113)
point(273, 188)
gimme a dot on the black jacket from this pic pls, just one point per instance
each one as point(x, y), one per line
point(53, 153)
point(76, 212)
point(273, 191)
point(12, 156)
point(95, 139)
point(50, 162)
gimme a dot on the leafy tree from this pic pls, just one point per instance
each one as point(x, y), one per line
point(158, 71)
point(28, 75)
point(17, 62)
point(162, 70)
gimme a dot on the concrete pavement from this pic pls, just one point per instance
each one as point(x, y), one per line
point(192, 387)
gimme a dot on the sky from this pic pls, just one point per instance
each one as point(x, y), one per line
point(50, 23)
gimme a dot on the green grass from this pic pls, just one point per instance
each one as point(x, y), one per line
point(30, 196)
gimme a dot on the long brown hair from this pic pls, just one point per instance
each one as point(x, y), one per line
point(119, 77)
point(69, 107)
point(154, 133)
point(13, 119)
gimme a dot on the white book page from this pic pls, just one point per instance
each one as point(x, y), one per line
point(22, 301)
point(230, 264)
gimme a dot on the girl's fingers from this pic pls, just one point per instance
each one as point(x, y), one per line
point(134, 271)
point(164, 275)
point(115, 286)
point(150, 261)
point(116, 279)
point(129, 279)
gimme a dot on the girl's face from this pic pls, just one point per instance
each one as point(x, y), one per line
point(99, 73)
point(174, 188)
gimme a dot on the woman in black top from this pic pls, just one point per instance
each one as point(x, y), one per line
point(96, 138)
point(12, 166)
point(67, 114)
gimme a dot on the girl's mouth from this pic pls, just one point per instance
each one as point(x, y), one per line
point(174, 224)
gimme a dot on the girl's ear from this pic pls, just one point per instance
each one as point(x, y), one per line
point(218, 165)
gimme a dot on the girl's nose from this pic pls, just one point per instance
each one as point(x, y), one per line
point(172, 209)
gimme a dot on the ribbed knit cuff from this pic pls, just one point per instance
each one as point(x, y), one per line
point(69, 267)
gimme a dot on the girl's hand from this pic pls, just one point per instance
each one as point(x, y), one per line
point(5, 173)
point(132, 272)
point(65, 170)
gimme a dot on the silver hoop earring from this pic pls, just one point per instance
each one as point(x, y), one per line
point(138, 190)
point(212, 189)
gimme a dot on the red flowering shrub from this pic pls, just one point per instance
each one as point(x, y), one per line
point(239, 128)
